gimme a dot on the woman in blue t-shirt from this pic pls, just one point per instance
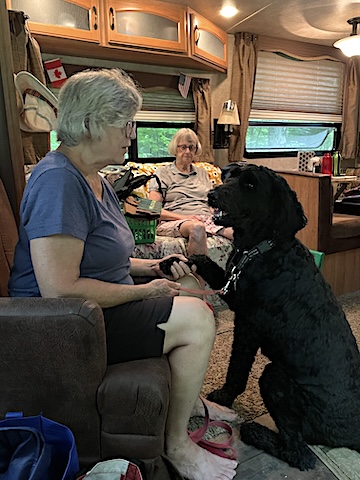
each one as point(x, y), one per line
point(75, 242)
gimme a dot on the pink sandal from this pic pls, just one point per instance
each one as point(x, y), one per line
point(223, 449)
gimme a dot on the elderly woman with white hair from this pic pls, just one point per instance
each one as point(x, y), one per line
point(183, 190)
point(75, 242)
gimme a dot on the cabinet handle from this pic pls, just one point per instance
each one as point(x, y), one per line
point(196, 34)
point(95, 24)
point(111, 18)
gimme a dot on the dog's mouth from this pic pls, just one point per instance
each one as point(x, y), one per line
point(219, 216)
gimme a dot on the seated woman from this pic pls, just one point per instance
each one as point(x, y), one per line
point(75, 242)
point(184, 189)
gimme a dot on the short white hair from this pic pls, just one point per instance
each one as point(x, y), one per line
point(186, 135)
point(92, 100)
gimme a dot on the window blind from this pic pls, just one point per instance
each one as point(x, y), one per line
point(166, 106)
point(292, 89)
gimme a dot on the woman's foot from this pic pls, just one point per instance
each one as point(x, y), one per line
point(216, 412)
point(195, 463)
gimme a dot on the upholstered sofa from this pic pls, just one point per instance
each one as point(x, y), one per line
point(219, 248)
point(53, 360)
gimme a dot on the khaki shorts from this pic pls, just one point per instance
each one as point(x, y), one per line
point(172, 227)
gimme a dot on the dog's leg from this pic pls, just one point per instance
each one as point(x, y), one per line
point(286, 405)
point(210, 271)
point(244, 348)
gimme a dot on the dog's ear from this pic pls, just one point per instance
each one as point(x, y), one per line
point(290, 214)
point(249, 179)
point(230, 170)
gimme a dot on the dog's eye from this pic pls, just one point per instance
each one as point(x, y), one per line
point(249, 186)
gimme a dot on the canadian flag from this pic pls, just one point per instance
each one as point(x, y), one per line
point(56, 72)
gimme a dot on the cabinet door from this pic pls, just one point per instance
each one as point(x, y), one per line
point(76, 19)
point(152, 25)
point(208, 42)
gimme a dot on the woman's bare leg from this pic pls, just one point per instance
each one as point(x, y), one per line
point(216, 412)
point(195, 232)
point(189, 337)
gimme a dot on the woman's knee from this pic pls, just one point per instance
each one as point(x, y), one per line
point(194, 229)
point(190, 321)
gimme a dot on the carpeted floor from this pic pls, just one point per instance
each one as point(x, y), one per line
point(249, 405)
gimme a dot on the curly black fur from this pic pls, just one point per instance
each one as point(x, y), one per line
point(165, 265)
point(283, 305)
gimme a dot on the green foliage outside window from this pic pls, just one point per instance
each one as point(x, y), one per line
point(53, 141)
point(153, 142)
point(285, 138)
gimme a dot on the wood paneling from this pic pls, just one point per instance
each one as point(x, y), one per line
point(307, 191)
point(342, 271)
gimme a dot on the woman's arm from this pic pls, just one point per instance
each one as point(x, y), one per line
point(150, 267)
point(56, 260)
point(166, 215)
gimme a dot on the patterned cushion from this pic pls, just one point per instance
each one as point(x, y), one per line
point(213, 171)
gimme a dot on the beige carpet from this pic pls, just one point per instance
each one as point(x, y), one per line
point(344, 463)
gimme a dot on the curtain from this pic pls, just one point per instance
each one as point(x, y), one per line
point(27, 56)
point(350, 141)
point(242, 88)
point(202, 102)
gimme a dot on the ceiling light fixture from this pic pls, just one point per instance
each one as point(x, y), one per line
point(350, 46)
point(228, 11)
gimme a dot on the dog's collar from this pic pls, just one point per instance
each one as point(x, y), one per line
point(247, 256)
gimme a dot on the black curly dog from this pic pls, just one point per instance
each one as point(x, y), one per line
point(283, 305)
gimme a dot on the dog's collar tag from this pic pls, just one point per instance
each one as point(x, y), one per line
point(247, 256)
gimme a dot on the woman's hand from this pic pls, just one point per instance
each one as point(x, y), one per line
point(178, 269)
point(162, 287)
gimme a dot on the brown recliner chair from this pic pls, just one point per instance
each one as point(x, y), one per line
point(53, 360)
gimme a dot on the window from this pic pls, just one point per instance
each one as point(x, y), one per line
point(54, 143)
point(297, 105)
point(152, 140)
point(163, 114)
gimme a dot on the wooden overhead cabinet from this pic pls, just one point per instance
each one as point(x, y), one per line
point(207, 41)
point(146, 25)
point(152, 32)
point(71, 19)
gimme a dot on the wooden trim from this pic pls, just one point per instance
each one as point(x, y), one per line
point(11, 167)
point(307, 188)
point(342, 271)
point(78, 48)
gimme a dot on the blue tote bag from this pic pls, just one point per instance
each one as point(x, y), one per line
point(36, 448)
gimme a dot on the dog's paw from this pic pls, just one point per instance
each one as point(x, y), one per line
point(296, 453)
point(165, 265)
point(302, 458)
point(221, 397)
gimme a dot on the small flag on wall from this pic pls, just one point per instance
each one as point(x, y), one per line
point(184, 85)
point(56, 72)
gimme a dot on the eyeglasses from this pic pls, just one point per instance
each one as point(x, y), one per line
point(130, 131)
point(183, 148)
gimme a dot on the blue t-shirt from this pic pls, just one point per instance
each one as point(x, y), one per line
point(58, 200)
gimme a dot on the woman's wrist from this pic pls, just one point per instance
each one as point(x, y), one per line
point(144, 267)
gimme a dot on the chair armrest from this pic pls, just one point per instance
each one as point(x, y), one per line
point(53, 358)
point(133, 402)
